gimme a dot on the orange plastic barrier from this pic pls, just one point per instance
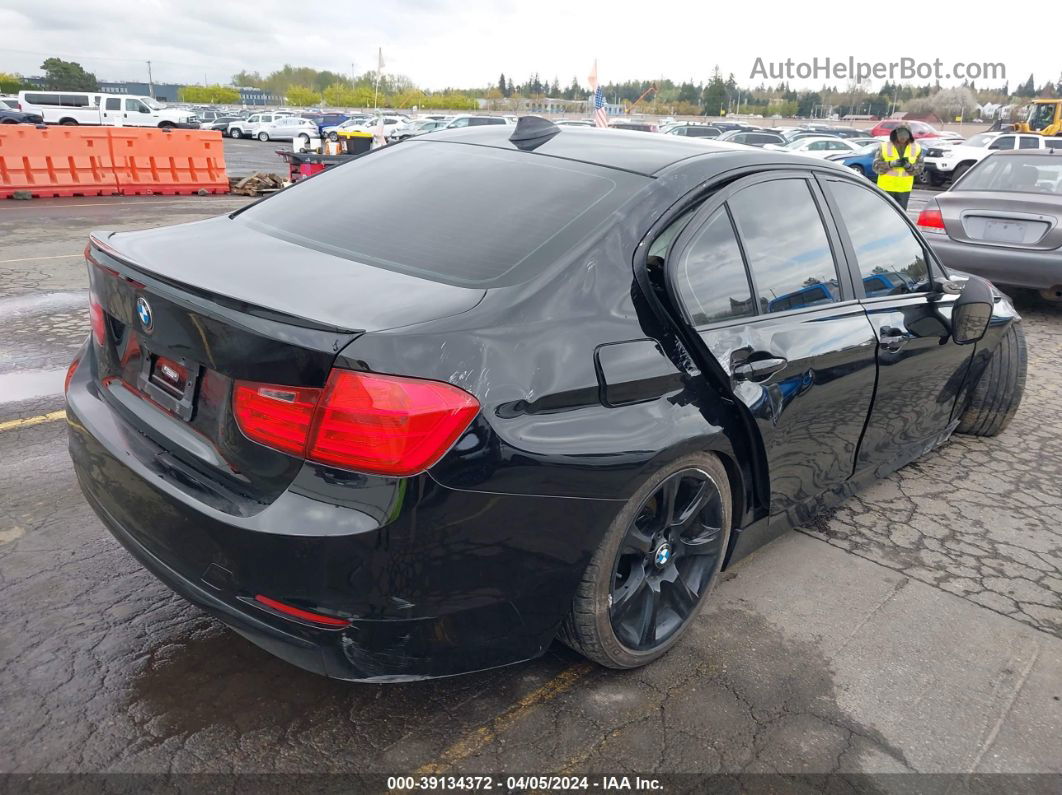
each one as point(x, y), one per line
point(168, 162)
point(57, 161)
point(99, 161)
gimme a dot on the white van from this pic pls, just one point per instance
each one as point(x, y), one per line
point(81, 107)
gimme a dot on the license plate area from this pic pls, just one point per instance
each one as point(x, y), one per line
point(1005, 231)
point(169, 382)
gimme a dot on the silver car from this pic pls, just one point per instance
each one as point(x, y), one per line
point(1003, 220)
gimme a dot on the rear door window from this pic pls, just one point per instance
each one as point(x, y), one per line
point(465, 215)
point(710, 274)
point(785, 241)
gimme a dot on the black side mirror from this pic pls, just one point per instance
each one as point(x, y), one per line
point(972, 311)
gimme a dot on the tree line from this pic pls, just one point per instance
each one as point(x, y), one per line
point(306, 86)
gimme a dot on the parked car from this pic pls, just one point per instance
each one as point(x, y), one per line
point(325, 121)
point(83, 107)
point(919, 129)
point(357, 121)
point(640, 125)
point(1003, 220)
point(861, 161)
point(289, 128)
point(474, 121)
point(693, 131)
point(255, 123)
point(363, 454)
point(220, 123)
point(405, 132)
point(753, 137)
point(727, 126)
point(944, 163)
point(10, 101)
point(818, 146)
point(207, 116)
point(19, 117)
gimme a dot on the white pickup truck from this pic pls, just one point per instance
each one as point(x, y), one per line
point(82, 107)
point(945, 162)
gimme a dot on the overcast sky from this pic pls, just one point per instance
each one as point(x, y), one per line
point(439, 43)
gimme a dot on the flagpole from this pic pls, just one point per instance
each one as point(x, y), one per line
point(379, 67)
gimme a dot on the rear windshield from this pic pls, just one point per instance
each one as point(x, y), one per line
point(455, 213)
point(1016, 174)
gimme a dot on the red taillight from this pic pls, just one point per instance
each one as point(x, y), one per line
point(930, 220)
point(97, 319)
point(70, 372)
point(387, 424)
point(276, 416)
point(305, 615)
point(384, 424)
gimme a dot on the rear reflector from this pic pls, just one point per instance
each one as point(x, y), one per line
point(97, 320)
point(383, 424)
point(70, 372)
point(931, 220)
point(305, 615)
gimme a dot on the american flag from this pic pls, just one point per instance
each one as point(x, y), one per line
point(600, 114)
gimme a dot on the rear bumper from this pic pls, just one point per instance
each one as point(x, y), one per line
point(1037, 270)
point(434, 581)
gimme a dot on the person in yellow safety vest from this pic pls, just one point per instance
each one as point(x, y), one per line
point(897, 163)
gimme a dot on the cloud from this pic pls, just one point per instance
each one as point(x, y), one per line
point(439, 43)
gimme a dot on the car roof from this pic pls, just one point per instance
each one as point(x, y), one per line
point(628, 150)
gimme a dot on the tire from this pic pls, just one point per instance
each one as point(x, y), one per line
point(333, 137)
point(304, 140)
point(263, 136)
point(935, 180)
point(997, 395)
point(960, 169)
point(164, 125)
point(69, 122)
point(235, 133)
point(589, 627)
point(858, 169)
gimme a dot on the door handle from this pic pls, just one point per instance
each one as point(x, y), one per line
point(892, 339)
point(758, 369)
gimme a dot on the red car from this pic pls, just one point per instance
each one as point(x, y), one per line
point(919, 129)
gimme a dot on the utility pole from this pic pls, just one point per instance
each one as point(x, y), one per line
point(151, 84)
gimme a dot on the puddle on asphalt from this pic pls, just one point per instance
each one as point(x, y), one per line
point(34, 384)
point(18, 304)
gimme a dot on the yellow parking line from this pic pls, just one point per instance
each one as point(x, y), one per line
point(28, 421)
point(479, 738)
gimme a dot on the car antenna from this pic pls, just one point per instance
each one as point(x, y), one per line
point(533, 131)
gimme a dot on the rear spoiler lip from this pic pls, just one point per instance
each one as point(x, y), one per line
point(97, 240)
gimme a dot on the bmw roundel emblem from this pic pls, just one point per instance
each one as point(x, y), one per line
point(143, 311)
point(663, 555)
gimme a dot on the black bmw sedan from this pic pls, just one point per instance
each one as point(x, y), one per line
point(537, 382)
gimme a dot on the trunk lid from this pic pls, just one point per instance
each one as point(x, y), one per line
point(1017, 220)
point(187, 311)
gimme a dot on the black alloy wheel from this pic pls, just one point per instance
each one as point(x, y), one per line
point(666, 560)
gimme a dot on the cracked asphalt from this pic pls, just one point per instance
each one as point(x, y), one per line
point(918, 629)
